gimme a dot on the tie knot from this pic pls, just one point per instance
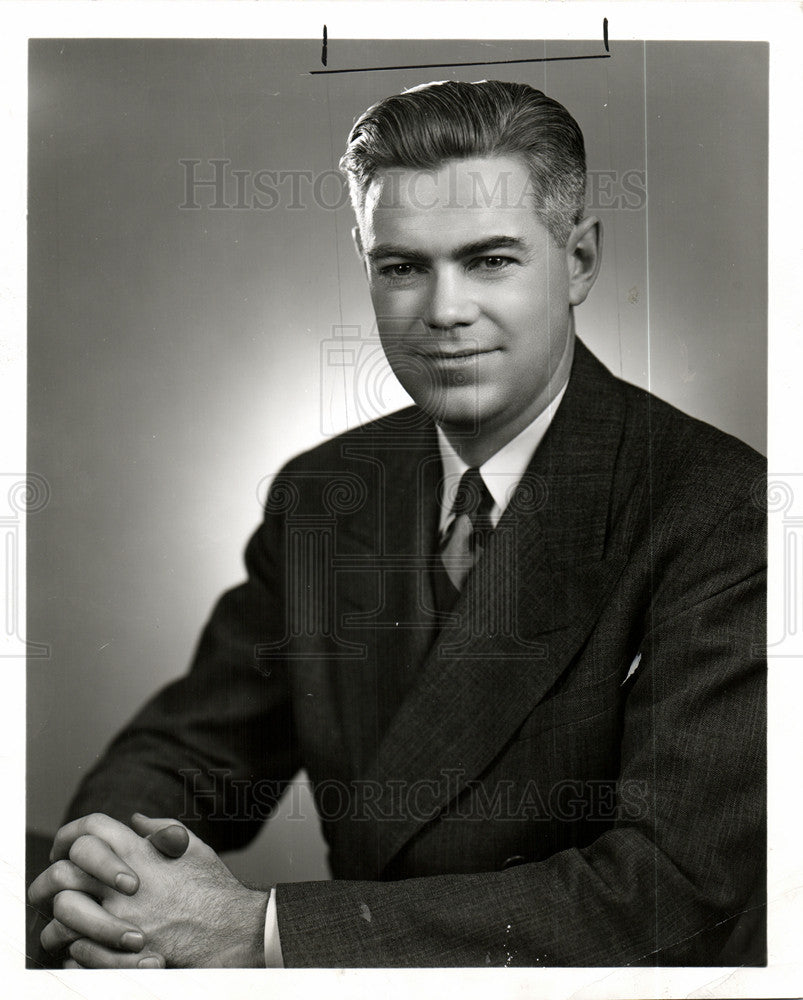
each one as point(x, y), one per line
point(473, 498)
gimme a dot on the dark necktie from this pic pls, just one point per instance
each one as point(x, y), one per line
point(465, 536)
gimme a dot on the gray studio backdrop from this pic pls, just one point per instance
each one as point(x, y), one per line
point(185, 340)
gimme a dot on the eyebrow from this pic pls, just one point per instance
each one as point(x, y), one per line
point(482, 246)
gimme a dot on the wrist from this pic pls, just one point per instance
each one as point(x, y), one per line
point(245, 947)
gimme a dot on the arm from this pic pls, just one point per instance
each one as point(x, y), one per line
point(216, 747)
point(196, 749)
point(655, 889)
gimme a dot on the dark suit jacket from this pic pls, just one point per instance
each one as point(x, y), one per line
point(569, 770)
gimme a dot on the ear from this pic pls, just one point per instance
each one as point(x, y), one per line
point(583, 258)
point(355, 235)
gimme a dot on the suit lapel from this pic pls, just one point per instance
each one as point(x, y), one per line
point(524, 612)
point(383, 592)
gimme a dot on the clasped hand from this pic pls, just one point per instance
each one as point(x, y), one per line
point(145, 897)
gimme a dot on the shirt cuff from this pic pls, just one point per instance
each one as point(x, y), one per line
point(273, 946)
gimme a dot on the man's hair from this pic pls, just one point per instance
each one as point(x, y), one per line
point(425, 127)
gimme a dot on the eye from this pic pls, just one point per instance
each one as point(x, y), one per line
point(491, 263)
point(401, 270)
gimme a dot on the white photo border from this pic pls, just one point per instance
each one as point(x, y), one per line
point(779, 23)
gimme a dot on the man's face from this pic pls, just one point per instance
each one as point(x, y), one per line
point(471, 294)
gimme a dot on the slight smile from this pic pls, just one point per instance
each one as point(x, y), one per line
point(456, 357)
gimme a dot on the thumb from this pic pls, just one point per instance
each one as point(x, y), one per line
point(168, 836)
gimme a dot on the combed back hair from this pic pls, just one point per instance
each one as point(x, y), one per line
point(427, 126)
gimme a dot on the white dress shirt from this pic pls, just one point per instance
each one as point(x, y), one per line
point(502, 473)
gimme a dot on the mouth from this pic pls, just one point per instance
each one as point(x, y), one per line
point(458, 356)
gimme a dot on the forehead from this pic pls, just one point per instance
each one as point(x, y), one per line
point(457, 202)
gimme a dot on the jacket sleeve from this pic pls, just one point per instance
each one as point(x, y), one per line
point(658, 887)
point(216, 747)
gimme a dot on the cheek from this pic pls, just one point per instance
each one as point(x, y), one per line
point(529, 295)
point(521, 318)
point(415, 376)
point(394, 301)
point(399, 321)
point(540, 308)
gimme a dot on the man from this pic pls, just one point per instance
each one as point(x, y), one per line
point(513, 633)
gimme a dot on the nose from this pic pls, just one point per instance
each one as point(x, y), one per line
point(450, 301)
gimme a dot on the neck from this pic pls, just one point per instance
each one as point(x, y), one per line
point(490, 438)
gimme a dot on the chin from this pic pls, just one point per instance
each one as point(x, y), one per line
point(461, 414)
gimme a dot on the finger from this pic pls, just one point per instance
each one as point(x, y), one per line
point(92, 955)
point(147, 825)
point(70, 963)
point(78, 913)
point(56, 936)
point(168, 836)
point(116, 834)
point(172, 841)
point(59, 876)
point(96, 858)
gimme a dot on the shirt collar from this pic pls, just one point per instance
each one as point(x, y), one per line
point(503, 470)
